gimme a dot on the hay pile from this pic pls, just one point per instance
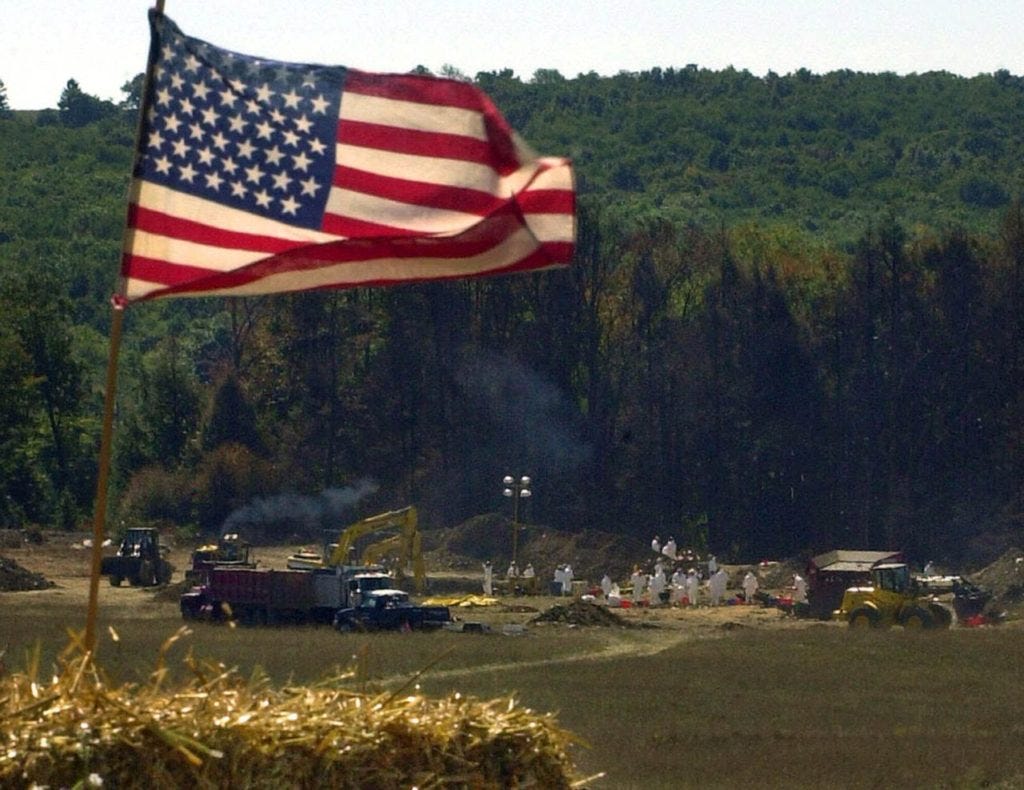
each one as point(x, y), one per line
point(580, 613)
point(14, 578)
point(222, 731)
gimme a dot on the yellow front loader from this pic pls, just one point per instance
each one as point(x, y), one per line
point(892, 598)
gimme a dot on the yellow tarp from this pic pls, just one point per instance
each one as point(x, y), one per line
point(463, 600)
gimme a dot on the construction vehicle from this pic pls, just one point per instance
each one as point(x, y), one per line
point(892, 598)
point(402, 551)
point(229, 551)
point(140, 558)
point(258, 596)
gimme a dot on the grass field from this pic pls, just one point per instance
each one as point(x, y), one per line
point(658, 708)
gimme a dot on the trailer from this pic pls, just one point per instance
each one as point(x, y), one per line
point(260, 596)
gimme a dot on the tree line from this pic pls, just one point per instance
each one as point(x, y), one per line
point(793, 323)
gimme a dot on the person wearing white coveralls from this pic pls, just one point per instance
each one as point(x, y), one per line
point(657, 587)
point(750, 586)
point(639, 582)
point(488, 578)
point(799, 589)
point(716, 586)
point(678, 585)
point(567, 580)
point(693, 587)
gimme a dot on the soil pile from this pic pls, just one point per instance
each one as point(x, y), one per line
point(1004, 578)
point(14, 578)
point(580, 613)
point(591, 553)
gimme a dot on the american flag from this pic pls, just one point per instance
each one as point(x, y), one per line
point(255, 176)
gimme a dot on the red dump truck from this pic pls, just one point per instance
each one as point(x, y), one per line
point(257, 596)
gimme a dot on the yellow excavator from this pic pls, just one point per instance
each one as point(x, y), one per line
point(404, 549)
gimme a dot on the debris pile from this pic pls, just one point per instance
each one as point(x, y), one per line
point(14, 578)
point(1004, 578)
point(580, 613)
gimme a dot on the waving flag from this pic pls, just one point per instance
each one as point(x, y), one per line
point(255, 176)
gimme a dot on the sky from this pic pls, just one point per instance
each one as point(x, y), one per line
point(103, 43)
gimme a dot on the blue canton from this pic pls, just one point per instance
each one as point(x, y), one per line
point(252, 134)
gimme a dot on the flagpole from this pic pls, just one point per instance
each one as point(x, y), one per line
point(118, 304)
point(99, 516)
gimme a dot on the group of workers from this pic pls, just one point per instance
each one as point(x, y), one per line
point(514, 575)
point(680, 588)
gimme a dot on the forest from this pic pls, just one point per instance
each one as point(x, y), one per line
point(793, 323)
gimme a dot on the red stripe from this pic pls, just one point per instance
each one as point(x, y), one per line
point(470, 201)
point(176, 228)
point(340, 225)
point(419, 143)
point(417, 88)
point(157, 271)
point(547, 201)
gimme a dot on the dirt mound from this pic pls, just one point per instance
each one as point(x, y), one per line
point(14, 578)
point(1004, 578)
point(580, 613)
point(591, 553)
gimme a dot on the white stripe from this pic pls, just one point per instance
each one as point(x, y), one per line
point(551, 227)
point(426, 169)
point(412, 115)
point(408, 216)
point(185, 206)
point(542, 174)
point(189, 253)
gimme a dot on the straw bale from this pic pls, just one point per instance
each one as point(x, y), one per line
point(221, 731)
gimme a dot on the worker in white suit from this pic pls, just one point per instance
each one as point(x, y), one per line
point(693, 587)
point(639, 582)
point(488, 578)
point(799, 589)
point(717, 585)
point(678, 586)
point(750, 586)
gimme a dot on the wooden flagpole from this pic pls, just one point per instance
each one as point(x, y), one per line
point(106, 437)
point(100, 514)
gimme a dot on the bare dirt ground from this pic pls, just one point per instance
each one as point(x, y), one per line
point(56, 572)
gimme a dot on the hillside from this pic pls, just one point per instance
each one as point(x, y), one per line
point(792, 323)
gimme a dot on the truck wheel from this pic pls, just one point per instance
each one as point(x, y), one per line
point(864, 617)
point(115, 581)
point(917, 618)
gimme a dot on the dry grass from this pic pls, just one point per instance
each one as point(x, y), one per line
point(220, 730)
point(795, 708)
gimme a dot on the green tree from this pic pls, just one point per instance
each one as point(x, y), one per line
point(77, 108)
point(132, 91)
point(5, 107)
point(232, 419)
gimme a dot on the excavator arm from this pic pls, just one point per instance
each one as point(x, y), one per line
point(406, 548)
point(404, 518)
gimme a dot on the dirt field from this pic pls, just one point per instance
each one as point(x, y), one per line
point(57, 571)
point(63, 561)
point(660, 704)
